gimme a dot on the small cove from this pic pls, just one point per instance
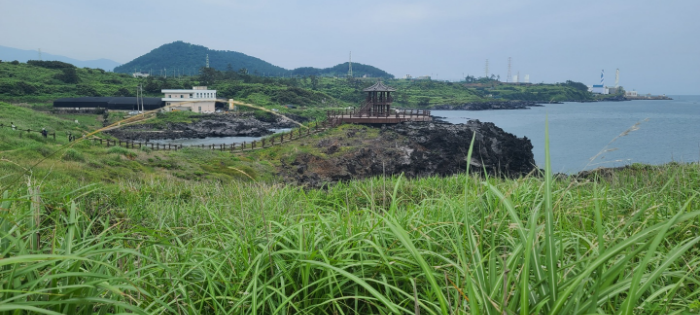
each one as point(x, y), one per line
point(214, 140)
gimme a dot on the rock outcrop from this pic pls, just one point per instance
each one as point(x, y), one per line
point(414, 149)
point(207, 126)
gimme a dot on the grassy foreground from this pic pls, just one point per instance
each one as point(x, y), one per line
point(456, 245)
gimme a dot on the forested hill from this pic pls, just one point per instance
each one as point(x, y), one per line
point(180, 58)
point(186, 59)
point(358, 70)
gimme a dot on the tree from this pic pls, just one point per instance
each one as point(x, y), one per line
point(207, 76)
point(423, 102)
point(123, 92)
point(68, 75)
point(314, 82)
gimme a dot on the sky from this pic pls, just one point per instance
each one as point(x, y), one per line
point(654, 44)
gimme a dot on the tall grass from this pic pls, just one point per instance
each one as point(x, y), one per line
point(455, 245)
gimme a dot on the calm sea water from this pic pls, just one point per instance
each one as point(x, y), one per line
point(668, 131)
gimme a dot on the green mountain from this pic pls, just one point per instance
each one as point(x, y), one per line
point(187, 59)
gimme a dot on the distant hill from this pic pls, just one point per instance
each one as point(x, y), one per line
point(187, 59)
point(358, 70)
point(22, 55)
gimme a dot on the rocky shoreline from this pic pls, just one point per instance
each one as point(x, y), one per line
point(207, 126)
point(413, 149)
point(489, 105)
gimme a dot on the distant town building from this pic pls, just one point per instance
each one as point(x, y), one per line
point(140, 75)
point(423, 77)
point(408, 77)
point(199, 100)
point(631, 93)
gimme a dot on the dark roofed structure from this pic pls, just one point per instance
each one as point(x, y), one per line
point(111, 103)
point(379, 87)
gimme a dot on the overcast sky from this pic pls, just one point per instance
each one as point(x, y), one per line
point(655, 44)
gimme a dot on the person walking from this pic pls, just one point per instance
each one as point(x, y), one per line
point(44, 132)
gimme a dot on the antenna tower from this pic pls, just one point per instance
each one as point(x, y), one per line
point(617, 78)
point(486, 71)
point(40, 54)
point(510, 74)
point(207, 60)
point(350, 66)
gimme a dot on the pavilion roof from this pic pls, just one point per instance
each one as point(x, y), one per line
point(379, 87)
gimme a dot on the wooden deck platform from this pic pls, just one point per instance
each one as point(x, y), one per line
point(352, 117)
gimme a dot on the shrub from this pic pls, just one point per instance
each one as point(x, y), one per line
point(73, 155)
point(118, 150)
point(50, 64)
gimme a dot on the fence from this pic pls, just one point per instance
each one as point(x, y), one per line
point(28, 130)
point(234, 147)
point(369, 117)
point(276, 139)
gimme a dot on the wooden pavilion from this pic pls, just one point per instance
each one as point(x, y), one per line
point(377, 109)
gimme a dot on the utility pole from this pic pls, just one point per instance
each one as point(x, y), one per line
point(510, 74)
point(486, 72)
point(350, 66)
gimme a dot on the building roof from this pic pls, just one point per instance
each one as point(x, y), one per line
point(116, 103)
point(379, 87)
point(186, 91)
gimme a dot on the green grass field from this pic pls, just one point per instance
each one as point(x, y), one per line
point(88, 229)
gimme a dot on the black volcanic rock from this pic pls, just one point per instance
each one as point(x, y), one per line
point(207, 126)
point(488, 105)
point(415, 149)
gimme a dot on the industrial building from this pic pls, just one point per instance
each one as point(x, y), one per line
point(599, 88)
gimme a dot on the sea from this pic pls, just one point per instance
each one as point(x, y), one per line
point(584, 136)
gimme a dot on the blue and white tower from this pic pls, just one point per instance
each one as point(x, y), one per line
point(600, 88)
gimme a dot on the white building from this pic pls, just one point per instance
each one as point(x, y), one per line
point(631, 93)
point(199, 99)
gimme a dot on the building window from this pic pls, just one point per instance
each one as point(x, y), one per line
point(181, 96)
point(200, 109)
